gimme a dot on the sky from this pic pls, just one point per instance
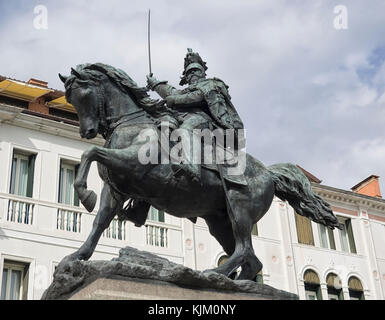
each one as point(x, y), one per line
point(309, 92)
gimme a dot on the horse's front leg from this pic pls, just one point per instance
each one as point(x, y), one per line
point(113, 159)
point(108, 207)
point(87, 197)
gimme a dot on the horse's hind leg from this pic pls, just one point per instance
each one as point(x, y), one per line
point(220, 228)
point(242, 223)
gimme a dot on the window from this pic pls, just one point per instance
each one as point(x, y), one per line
point(334, 287)
point(14, 284)
point(304, 230)
point(346, 236)
point(67, 193)
point(222, 260)
point(312, 285)
point(156, 215)
point(22, 173)
point(326, 237)
point(156, 235)
point(116, 230)
point(356, 291)
point(68, 220)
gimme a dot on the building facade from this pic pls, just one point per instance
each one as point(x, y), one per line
point(41, 220)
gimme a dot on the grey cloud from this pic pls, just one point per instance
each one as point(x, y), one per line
point(294, 79)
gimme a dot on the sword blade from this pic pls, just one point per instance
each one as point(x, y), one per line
point(149, 41)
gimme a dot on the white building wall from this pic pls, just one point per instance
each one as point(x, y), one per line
point(284, 259)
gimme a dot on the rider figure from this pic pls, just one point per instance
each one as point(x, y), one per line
point(204, 101)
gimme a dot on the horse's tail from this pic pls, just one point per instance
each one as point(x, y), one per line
point(292, 185)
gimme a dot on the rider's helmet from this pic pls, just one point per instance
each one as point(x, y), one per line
point(194, 65)
point(192, 61)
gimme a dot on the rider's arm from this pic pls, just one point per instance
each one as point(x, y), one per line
point(161, 87)
point(190, 99)
point(165, 90)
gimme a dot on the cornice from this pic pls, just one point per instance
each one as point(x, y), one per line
point(13, 116)
point(349, 198)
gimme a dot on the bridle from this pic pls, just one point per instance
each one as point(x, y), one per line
point(107, 125)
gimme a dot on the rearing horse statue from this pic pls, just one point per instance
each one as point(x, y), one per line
point(109, 102)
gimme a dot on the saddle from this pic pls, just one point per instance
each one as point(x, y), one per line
point(209, 161)
point(230, 162)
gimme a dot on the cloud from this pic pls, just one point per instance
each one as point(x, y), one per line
point(308, 93)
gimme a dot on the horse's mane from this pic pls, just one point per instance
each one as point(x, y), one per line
point(121, 79)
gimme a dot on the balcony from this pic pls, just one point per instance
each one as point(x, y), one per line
point(68, 220)
point(117, 230)
point(156, 235)
point(20, 211)
point(62, 225)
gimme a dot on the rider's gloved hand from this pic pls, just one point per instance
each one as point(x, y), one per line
point(152, 82)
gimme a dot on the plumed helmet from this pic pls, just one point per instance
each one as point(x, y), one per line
point(192, 61)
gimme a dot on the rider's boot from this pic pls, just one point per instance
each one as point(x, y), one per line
point(191, 170)
point(191, 163)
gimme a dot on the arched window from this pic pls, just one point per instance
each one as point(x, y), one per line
point(222, 260)
point(334, 287)
point(312, 285)
point(356, 291)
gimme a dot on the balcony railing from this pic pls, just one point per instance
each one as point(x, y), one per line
point(116, 230)
point(68, 220)
point(20, 211)
point(156, 235)
point(64, 221)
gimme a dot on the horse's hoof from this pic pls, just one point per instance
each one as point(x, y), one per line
point(89, 201)
point(220, 271)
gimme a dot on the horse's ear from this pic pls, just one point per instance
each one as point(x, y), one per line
point(63, 78)
point(77, 74)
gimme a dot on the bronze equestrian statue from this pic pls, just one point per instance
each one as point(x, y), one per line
point(110, 103)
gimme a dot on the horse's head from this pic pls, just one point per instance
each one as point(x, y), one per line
point(99, 93)
point(85, 94)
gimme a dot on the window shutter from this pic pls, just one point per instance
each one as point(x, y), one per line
point(60, 182)
point(311, 277)
point(31, 172)
point(304, 230)
point(161, 216)
point(76, 197)
point(355, 284)
point(13, 175)
point(331, 239)
point(25, 283)
point(350, 236)
point(332, 279)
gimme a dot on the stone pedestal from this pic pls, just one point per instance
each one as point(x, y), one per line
point(140, 275)
point(142, 289)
